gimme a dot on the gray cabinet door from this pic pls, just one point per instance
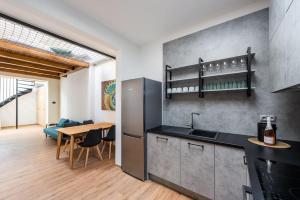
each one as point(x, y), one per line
point(287, 4)
point(197, 167)
point(284, 44)
point(278, 59)
point(292, 28)
point(230, 173)
point(276, 15)
point(163, 157)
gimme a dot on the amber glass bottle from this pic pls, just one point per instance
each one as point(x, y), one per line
point(269, 133)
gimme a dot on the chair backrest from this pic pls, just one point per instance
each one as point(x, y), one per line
point(93, 138)
point(88, 121)
point(112, 133)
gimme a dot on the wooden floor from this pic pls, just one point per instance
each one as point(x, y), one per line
point(29, 170)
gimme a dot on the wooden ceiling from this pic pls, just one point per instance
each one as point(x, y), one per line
point(21, 59)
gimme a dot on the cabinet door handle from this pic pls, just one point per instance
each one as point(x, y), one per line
point(162, 138)
point(197, 145)
point(246, 190)
point(245, 160)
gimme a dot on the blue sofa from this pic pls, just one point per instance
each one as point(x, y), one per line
point(51, 129)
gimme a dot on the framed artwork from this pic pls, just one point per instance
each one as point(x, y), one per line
point(109, 95)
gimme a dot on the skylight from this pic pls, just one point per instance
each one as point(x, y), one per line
point(19, 33)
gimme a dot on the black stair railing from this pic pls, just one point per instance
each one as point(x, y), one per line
point(11, 88)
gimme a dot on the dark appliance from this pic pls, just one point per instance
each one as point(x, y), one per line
point(279, 181)
point(141, 110)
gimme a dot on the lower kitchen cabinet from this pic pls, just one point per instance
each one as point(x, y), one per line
point(197, 167)
point(230, 173)
point(212, 171)
point(164, 157)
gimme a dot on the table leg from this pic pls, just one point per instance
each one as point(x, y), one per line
point(59, 136)
point(71, 151)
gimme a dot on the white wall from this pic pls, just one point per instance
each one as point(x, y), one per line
point(81, 93)
point(27, 111)
point(75, 96)
point(102, 72)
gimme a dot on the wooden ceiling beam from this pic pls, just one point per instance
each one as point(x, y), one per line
point(21, 68)
point(20, 49)
point(12, 61)
point(70, 72)
point(5, 54)
point(27, 73)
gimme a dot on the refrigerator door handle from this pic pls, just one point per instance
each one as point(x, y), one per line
point(133, 136)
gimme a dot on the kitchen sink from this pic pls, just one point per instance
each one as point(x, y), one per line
point(204, 134)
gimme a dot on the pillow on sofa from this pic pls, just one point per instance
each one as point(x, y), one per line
point(62, 122)
point(71, 123)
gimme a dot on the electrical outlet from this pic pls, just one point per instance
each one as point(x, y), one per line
point(263, 118)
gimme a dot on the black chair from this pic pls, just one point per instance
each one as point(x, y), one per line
point(87, 122)
point(109, 138)
point(67, 138)
point(92, 140)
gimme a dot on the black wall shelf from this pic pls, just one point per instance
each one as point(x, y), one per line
point(202, 76)
point(184, 80)
point(228, 74)
point(184, 67)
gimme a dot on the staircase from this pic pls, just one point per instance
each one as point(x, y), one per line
point(11, 88)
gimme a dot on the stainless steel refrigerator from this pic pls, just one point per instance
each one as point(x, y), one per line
point(141, 110)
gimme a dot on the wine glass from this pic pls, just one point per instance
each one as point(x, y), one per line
point(204, 68)
point(234, 63)
point(218, 67)
point(243, 63)
point(225, 65)
point(210, 67)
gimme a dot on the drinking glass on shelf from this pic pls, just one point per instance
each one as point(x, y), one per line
point(225, 85)
point(244, 83)
point(208, 86)
point(204, 68)
point(211, 66)
point(225, 65)
point(243, 64)
point(215, 86)
point(231, 84)
point(218, 67)
point(234, 85)
point(221, 85)
point(234, 63)
point(239, 84)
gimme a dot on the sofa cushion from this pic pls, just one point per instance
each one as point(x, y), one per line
point(51, 131)
point(62, 122)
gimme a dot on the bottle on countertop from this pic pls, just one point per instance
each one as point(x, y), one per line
point(269, 133)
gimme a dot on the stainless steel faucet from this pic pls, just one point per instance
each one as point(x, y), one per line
point(192, 124)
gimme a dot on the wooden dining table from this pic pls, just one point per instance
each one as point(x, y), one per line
point(74, 132)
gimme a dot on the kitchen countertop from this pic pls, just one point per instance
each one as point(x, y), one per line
point(289, 156)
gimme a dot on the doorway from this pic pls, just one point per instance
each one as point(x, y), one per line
point(23, 102)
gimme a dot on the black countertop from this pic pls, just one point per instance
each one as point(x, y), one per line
point(289, 156)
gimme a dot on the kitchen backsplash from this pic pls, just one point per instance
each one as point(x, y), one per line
point(231, 112)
